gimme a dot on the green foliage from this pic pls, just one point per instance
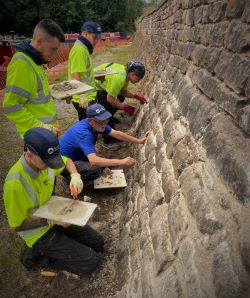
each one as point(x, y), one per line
point(22, 15)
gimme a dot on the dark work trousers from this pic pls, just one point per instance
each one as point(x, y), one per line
point(101, 98)
point(72, 249)
point(81, 111)
point(88, 173)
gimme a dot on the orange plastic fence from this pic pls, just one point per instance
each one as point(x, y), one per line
point(58, 66)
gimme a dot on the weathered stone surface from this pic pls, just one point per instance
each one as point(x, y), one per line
point(237, 37)
point(192, 279)
point(160, 237)
point(167, 284)
point(177, 221)
point(246, 13)
point(217, 34)
point(169, 185)
point(217, 11)
point(147, 271)
point(226, 280)
point(235, 8)
point(184, 155)
point(245, 235)
point(228, 147)
point(197, 196)
point(244, 118)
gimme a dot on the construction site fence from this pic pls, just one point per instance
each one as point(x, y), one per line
point(58, 65)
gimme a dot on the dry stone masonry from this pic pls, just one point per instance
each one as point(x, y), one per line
point(185, 230)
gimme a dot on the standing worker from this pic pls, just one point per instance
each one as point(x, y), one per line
point(80, 64)
point(114, 88)
point(27, 100)
point(29, 185)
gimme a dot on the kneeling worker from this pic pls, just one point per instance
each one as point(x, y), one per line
point(78, 143)
point(29, 185)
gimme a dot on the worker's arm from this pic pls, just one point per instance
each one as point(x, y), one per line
point(110, 162)
point(115, 102)
point(127, 93)
point(76, 184)
point(125, 137)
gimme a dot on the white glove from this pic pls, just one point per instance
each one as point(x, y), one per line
point(83, 101)
point(52, 222)
point(76, 184)
point(54, 128)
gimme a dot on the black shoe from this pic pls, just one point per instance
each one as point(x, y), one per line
point(30, 259)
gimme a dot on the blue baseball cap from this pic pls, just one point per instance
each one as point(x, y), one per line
point(97, 112)
point(93, 28)
point(43, 143)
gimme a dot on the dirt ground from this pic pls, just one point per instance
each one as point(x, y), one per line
point(15, 280)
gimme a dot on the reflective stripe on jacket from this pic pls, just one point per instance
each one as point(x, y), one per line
point(27, 100)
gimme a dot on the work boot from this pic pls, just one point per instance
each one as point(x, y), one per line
point(29, 259)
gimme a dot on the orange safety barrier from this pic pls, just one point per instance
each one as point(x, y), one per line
point(58, 66)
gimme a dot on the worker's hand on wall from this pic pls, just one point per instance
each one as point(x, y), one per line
point(55, 128)
point(83, 101)
point(128, 162)
point(52, 222)
point(76, 184)
point(141, 98)
point(128, 109)
point(142, 140)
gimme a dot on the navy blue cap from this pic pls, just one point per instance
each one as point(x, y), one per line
point(93, 28)
point(137, 67)
point(43, 143)
point(97, 112)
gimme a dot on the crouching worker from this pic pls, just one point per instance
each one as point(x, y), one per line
point(29, 185)
point(78, 143)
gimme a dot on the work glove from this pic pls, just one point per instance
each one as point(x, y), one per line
point(54, 128)
point(52, 222)
point(128, 109)
point(141, 98)
point(83, 102)
point(76, 184)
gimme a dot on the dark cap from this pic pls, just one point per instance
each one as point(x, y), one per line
point(43, 143)
point(137, 67)
point(92, 28)
point(97, 112)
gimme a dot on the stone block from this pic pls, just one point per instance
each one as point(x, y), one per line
point(201, 111)
point(198, 13)
point(235, 8)
point(198, 199)
point(157, 199)
point(244, 224)
point(177, 221)
point(160, 238)
point(246, 13)
point(237, 37)
point(206, 58)
point(205, 82)
point(188, 49)
point(217, 34)
point(226, 280)
point(217, 11)
point(184, 155)
point(187, 255)
point(170, 185)
point(147, 271)
point(134, 289)
point(167, 284)
point(228, 147)
point(161, 158)
point(190, 17)
point(173, 132)
point(134, 252)
point(244, 119)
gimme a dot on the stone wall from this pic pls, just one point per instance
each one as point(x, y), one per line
point(185, 230)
